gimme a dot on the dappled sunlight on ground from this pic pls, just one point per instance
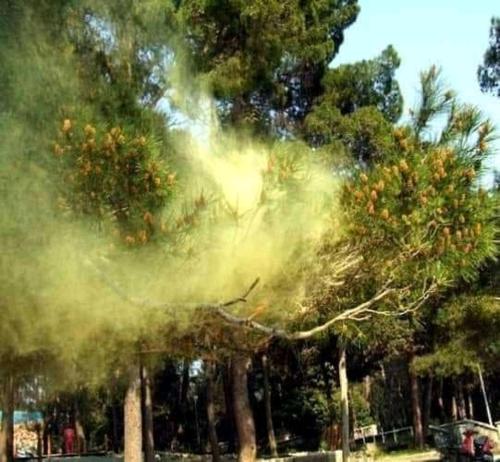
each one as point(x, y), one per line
point(425, 456)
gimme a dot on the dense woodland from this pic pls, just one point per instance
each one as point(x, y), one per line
point(214, 239)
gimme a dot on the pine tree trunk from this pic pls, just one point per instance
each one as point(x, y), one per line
point(245, 425)
point(415, 406)
point(344, 404)
point(367, 387)
point(47, 425)
point(39, 441)
point(228, 400)
point(211, 420)
point(3, 436)
point(454, 408)
point(184, 382)
point(442, 412)
point(183, 404)
point(267, 401)
point(149, 443)
point(7, 431)
point(470, 406)
point(485, 396)
point(115, 424)
point(132, 417)
point(461, 408)
point(81, 441)
point(428, 404)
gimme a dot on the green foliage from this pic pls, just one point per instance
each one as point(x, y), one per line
point(358, 404)
point(350, 87)
point(434, 99)
point(415, 214)
point(258, 55)
point(114, 177)
point(308, 409)
point(366, 134)
point(425, 204)
point(307, 412)
point(467, 329)
point(123, 50)
point(356, 110)
point(390, 393)
point(489, 72)
point(425, 207)
point(48, 74)
point(417, 221)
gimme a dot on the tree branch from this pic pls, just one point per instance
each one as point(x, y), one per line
point(350, 314)
point(361, 312)
point(145, 303)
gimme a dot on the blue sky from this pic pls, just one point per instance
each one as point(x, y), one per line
point(450, 33)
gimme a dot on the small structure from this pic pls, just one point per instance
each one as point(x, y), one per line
point(448, 437)
point(362, 433)
point(374, 434)
point(27, 426)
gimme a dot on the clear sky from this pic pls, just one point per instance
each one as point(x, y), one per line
point(450, 33)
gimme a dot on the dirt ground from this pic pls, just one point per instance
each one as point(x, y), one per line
point(427, 456)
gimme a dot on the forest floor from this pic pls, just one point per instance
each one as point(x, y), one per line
point(410, 456)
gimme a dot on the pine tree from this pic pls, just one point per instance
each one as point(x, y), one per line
point(488, 73)
point(263, 61)
point(356, 110)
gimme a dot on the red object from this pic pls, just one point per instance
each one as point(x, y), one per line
point(69, 440)
point(488, 446)
point(468, 444)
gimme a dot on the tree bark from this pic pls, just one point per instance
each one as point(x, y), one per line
point(116, 432)
point(39, 441)
point(470, 406)
point(81, 441)
point(428, 404)
point(273, 448)
point(461, 408)
point(46, 435)
point(485, 396)
point(132, 417)
point(245, 424)
point(183, 403)
point(148, 428)
point(3, 437)
point(454, 408)
point(442, 412)
point(211, 419)
point(228, 400)
point(367, 387)
point(183, 392)
point(344, 404)
point(7, 431)
point(415, 405)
